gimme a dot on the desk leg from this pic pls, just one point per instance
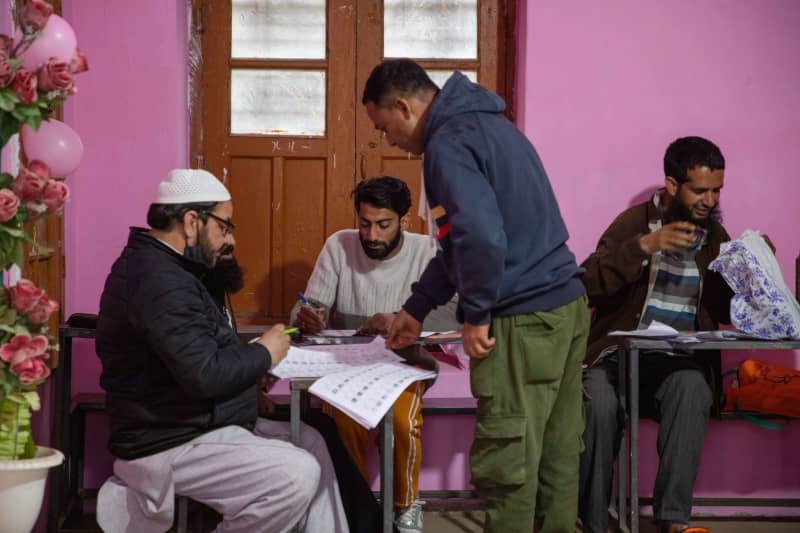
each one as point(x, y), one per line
point(387, 470)
point(294, 415)
point(634, 414)
point(622, 457)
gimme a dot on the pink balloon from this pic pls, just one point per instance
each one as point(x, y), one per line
point(57, 40)
point(55, 144)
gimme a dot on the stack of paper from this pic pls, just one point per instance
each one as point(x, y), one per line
point(318, 361)
point(363, 380)
point(656, 330)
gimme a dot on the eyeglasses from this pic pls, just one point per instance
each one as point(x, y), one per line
point(226, 225)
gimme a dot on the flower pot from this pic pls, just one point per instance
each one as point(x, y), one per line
point(22, 489)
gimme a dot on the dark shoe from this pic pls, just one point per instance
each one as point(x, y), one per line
point(671, 528)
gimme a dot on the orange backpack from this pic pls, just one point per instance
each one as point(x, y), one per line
point(765, 388)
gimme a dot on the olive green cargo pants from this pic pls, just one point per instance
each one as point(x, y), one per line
point(529, 422)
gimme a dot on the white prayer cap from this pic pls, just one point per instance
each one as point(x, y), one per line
point(187, 186)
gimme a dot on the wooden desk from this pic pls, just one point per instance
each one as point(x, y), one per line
point(629, 372)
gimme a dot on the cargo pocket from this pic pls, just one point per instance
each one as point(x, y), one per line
point(497, 457)
point(541, 341)
point(481, 377)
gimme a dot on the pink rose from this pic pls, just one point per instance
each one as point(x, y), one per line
point(24, 296)
point(55, 194)
point(40, 168)
point(9, 203)
point(41, 313)
point(22, 348)
point(34, 15)
point(29, 185)
point(6, 44)
point(6, 72)
point(24, 85)
point(56, 76)
point(31, 371)
point(78, 63)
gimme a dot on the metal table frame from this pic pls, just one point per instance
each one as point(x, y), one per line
point(630, 359)
point(298, 400)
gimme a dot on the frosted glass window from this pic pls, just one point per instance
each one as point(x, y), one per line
point(278, 102)
point(439, 77)
point(446, 29)
point(278, 29)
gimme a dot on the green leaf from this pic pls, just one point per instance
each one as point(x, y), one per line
point(7, 316)
point(34, 121)
point(32, 398)
point(16, 233)
point(9, 95)
point(5, 180)
point(16, 441)
point(8, 127)
point(30, 110)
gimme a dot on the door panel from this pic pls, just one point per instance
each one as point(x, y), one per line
point(289, 177)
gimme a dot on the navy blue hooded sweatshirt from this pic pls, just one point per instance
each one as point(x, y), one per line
point(503, 241)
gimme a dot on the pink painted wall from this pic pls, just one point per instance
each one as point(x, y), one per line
point(607, 86)
point(603, 88)
point(131, 114)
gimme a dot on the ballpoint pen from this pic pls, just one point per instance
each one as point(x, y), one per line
point(302, 297)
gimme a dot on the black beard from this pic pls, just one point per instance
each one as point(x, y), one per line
point(228, 273)
point(679, 212)
point(384, 251)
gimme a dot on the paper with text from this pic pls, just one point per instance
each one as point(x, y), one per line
point(318, 361)
point(366, 393)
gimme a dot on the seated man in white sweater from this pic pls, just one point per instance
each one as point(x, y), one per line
point(361, 277)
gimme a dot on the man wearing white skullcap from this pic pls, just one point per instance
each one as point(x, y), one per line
point(182, 391)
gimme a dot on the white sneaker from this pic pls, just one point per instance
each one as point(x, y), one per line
point(409, 520)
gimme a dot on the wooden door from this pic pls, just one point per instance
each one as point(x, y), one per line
point(290, 187)
point(277, 115)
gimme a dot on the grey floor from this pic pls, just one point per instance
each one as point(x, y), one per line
point(472, 522)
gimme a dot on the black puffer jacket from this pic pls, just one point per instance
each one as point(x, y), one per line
point(172, 367)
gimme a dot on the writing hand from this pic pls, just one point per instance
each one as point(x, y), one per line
point(310, 320)
point(277, 342)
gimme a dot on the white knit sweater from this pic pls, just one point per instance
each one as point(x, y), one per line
point(354, 287)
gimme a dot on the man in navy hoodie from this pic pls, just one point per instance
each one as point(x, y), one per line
point(503, 250)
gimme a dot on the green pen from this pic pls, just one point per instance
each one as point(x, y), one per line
point(287, 331)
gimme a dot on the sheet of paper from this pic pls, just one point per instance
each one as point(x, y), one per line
point(723, 335)
point(656, 330)
point(337, 333)
point(367, 392)
point(317, 361)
